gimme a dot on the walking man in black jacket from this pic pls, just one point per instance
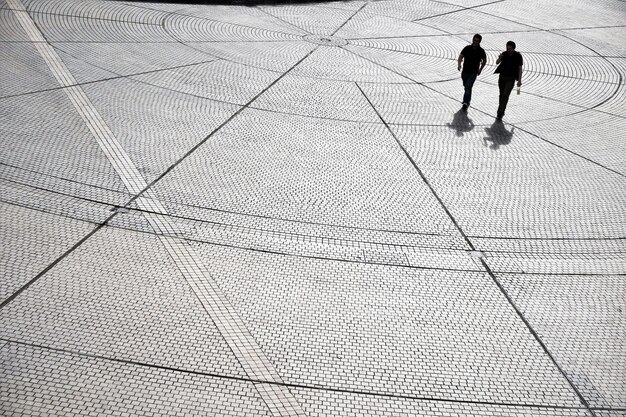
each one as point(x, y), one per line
point(510, 70)
point(475, 60)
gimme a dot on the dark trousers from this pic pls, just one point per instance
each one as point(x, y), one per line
point(506, 85)
point(468, 79)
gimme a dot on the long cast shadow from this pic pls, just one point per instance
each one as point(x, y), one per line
point(461, 123)
point(498, 135)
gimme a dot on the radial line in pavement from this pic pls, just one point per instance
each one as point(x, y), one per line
point(278, 398)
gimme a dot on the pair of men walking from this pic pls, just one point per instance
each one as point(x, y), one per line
point(473, 58)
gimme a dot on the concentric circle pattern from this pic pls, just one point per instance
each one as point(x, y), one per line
point(281, 209)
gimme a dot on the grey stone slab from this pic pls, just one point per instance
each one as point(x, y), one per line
point(32, 240)
point(467, 21)
point(407, 67)
point(155, 125)
point(88, 60)
point(58, 27)
point(532, 42)
point(22, 70)
point(331, 263)
point(312, 18)
point(10, 29)
point(373, 23)
point(241, 19)
point(559, 14)
point(317, 98)
point(613, 105)
point(593, 135)
point(117, 296)
point(248, 167)
point(382, 330)
point(601, 40)
point(484, 104)
point(34, 136)
point(37, 381)
point(534, 247)
point(276, 56)
point(217, 80)
point(49, 188)
point(76, 10)
point(334, 63)
point(319, 403)
point(50, 202)
point(581, 320)
point(608, 413)
point(557, 194)
point(207, 220)
point(406, 10)
point(429, 108)
point(197, 28)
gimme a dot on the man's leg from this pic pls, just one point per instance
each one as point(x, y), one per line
point(468, 83)
point(464, 79)
point(506, 86)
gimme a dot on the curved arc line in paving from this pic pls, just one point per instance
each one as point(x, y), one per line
point(462, 9)
point(263, 10)
point(293, 385)
point(446, 33)
point(170, 15)
point(512, 124)
point(270, 230)
point(250, 106)
point(232, 328)
point(171, 232)
point(35, 12)
point(486, 266)
point(617, 84)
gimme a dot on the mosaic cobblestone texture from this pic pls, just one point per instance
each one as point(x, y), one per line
point(279, 209)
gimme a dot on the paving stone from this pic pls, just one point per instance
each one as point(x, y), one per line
point(300, 188)
point(22, 70)
point(582, 320)
point(346, 232)
point(377, 329)
point(119, 299)
point(216, 80)
point(317, 99)
point(37, 381)
point(31, 242)
point(325, 403)
point(39, 146)
point(547, 198)
point(154, 114)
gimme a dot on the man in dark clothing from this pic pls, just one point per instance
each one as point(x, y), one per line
point(474, 59)
point(510, 70)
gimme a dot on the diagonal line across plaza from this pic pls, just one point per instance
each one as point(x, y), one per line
point(280, 208)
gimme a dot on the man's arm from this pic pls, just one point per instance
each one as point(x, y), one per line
point(460, 60)
point(519, 76)
point(483, 61)
point(499, 58)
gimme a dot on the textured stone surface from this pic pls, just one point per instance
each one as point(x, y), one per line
point(210, 208)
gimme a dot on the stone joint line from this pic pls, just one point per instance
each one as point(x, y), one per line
point(250, 355)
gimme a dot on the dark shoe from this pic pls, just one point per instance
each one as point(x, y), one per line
point(465, 106)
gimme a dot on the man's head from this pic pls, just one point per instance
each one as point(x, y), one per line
point(510, 47)
point(476, 40)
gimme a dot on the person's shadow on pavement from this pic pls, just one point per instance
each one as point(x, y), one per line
point(461, 123)
point(498, 135)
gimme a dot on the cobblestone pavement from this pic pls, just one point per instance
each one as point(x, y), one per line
point(281, 210)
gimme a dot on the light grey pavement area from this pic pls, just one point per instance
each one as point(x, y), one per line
point(281, 210)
